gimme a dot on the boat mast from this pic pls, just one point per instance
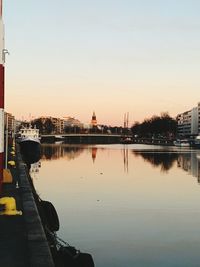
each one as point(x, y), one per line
point(125, 121)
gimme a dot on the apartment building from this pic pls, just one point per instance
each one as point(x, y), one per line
point(58, 124)
point(199, 117)
point(9, 122)
point(189, 122)
point(72, 122)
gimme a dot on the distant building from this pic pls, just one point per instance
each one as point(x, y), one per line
point(94, 120)
point(18, 124)
point(189, 122)
point(199, 117)
point(194, 121)
point(9, 122)
point(184, 123)
point(72, 122)
point(57, 123)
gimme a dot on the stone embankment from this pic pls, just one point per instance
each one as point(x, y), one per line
point(23, 242)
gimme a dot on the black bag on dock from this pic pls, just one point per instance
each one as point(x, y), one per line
point(84, 260)
point(70, 257)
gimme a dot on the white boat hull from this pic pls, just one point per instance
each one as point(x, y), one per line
point(181, 144)
point(29, 139)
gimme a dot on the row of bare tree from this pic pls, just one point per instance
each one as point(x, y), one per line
point(162, 126)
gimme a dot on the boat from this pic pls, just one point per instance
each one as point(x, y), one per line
point(126, 140)
point(59, 139)
point(29, 135)
point(182, 143)
point(29, 141)
point(196, 142)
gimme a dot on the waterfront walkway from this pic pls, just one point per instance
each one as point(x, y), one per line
point(22, 239)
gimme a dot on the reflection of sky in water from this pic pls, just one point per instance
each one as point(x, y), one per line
point(133, 207)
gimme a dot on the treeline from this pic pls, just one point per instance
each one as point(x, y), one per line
point(162, 126)
point(45, 126)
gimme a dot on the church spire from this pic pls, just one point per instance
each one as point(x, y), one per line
point(94, 119)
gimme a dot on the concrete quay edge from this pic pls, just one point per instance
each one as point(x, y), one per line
point(38, 247)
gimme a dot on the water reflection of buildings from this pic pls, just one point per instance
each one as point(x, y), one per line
point(54, 152)
point(190, 162)
point(163, 160)
point(94, 153)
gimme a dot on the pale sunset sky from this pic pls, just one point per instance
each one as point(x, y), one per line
point(70, 58)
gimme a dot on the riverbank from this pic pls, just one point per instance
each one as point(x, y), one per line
point(29, 224)
point(23, 241)
point(154, 141)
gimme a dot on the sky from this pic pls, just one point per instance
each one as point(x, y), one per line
point(70, 58)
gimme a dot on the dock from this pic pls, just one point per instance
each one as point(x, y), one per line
point(28, 224)
point(23, 242)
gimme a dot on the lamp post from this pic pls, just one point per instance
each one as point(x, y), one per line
point(2, 60)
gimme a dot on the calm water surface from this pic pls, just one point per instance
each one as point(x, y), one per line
point(129, 206)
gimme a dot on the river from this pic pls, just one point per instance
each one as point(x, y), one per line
point(127, 205)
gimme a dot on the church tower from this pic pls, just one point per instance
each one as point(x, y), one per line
point(94, 120)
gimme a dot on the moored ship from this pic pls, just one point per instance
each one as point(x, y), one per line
point(196, 142)
point(182, 143)
point(29, 135)
point(29, 141)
